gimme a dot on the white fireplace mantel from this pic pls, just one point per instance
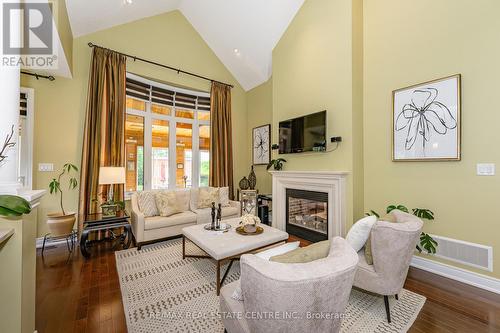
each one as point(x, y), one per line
point(331, 182)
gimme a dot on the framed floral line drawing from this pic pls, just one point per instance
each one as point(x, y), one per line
point(426, 122)
point(261, 143)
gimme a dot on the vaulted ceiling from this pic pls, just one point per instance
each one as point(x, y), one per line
point(242, 33)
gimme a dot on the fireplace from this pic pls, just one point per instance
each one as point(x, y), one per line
point(307, 214)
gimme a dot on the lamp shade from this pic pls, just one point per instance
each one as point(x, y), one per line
point(111, 175)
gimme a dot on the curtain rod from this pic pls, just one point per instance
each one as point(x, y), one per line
point(38, 76)
point(178, 70)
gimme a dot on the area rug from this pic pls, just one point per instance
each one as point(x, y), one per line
point(161, 292)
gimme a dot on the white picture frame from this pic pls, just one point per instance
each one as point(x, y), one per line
point(426, 124)
point(261, 145)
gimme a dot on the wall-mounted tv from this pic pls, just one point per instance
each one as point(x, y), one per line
point(307, 133)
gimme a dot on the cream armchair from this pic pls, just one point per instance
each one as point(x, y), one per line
point(393, 245)
point(298, 293)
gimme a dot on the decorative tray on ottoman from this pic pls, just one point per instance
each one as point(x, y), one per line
point(223, 227)
point(242, 231)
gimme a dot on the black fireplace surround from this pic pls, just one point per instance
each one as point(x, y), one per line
point(307, 214)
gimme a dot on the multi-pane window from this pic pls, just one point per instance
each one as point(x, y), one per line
point(167, 136)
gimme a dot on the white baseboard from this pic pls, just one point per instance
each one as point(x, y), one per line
point(458, 274)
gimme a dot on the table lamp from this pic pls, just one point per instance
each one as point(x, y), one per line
point(111, 176)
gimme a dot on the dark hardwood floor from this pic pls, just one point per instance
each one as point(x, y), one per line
point(79, 295)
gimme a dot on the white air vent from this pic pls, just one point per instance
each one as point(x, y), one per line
point(470, 254)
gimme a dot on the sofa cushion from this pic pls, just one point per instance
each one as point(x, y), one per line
point(183, 199)
point(167, 203)
point(309, 253)
point(158, 222)
point(147, 203)
point(224, 196)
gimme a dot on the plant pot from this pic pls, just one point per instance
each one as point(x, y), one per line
point(59, 224)
point(109, 210)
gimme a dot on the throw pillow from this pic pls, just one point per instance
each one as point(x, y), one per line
point(147, 203)
point(276, 251)
point(207, 195)
point(368, 245)
point(224, 196)
point(360, 231)
point(305, 254)
point(166, 201)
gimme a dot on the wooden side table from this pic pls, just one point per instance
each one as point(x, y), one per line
point(95, 222)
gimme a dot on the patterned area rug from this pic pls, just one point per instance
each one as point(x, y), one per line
point(163, 293)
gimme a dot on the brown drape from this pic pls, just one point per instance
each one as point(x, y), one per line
point(104, 133)
point(221, 147)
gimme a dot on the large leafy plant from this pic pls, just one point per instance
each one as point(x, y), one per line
point(13, 206)
point(426, 241)
point(69, 171)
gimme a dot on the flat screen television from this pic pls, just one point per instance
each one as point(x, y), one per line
point(307, 133)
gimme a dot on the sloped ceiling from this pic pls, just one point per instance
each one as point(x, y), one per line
point(242, 33)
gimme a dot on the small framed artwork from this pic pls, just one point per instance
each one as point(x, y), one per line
point(261, 143)
point(426, 121)
point(180, 166)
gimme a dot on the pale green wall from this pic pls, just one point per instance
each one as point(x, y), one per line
point(260, 112)
point(60, 105)
point(64, 30)
point(408, 42)
point(313, 70)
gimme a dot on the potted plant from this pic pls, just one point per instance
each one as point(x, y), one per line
point(426, 240)
point(61, 223)
point(277, 164)
point(13, 206)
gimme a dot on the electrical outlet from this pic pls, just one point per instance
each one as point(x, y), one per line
point(45, 167)
point(336, 139)
point(485, 169)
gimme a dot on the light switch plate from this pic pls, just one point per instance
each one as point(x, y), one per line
point(485, 169)
point(45, 167)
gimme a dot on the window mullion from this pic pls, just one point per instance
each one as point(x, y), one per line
point(148, 148)
point(195, 158)
point(172, 152)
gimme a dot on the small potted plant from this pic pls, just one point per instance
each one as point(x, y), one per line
point(277, 164)
point(61, 223)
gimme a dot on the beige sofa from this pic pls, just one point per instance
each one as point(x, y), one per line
point(150, 229)
point(319, 287)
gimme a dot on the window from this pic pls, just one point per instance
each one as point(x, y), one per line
point(167, 132)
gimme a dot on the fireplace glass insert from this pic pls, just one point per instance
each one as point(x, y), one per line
point(307, 214)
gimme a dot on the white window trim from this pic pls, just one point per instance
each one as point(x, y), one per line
point(148, 117)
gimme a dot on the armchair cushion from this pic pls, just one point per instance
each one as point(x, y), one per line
point(304, 254)
point(360, 231)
